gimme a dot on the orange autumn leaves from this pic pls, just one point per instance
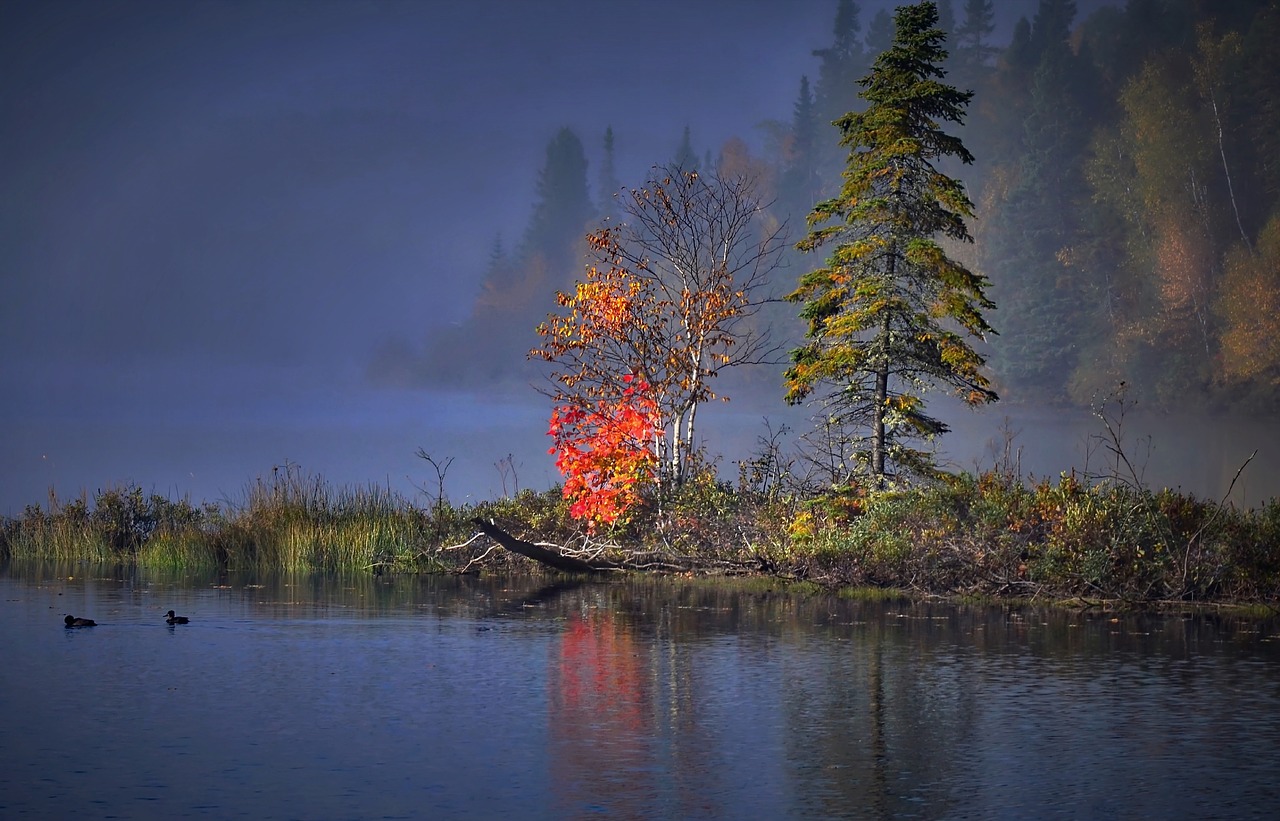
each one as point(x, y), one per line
point(668, 302)
point(604, 454)
point(605, 419)
point(602, 310)
point(621, 375)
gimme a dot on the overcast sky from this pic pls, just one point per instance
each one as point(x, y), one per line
point(216, 213)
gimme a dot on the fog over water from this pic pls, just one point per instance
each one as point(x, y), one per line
point(219, 215)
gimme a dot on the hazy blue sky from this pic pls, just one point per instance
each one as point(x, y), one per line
point(216, 213)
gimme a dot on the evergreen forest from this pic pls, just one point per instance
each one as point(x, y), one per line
point(1126, 185)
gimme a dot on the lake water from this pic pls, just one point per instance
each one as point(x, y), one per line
point(520, 698)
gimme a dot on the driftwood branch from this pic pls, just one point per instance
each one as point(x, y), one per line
point(539, 553)
point(590, 558)
point(467, 543)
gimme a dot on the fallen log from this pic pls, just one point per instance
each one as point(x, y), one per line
point(645, 561)
point(551, 558)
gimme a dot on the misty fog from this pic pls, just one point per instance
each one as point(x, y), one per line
point(241, 235)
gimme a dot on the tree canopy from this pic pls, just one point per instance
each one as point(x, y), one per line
point(890, 314)
point(666, 304)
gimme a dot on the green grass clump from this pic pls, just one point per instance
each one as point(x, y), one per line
point(114, 526)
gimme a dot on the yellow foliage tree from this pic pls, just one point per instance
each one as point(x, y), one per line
point(1250, 310)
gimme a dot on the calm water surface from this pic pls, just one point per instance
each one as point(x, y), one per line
point(441, 697)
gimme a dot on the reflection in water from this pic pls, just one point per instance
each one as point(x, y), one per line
point(600, 714)
point(330, 697)
point(627, 737)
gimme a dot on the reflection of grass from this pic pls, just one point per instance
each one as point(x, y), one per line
point(977, 536)
point(873, 594)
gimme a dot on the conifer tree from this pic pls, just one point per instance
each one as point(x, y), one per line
point(946, 17)
point(1052, 25)
point(799, 186)
point(880, 32)
point(1032, 227)
point(609, 185)
point(840, 64)
point(564, 207)
point(685, 158)
point(889, 314)
point(835, 88)
point(973, 54)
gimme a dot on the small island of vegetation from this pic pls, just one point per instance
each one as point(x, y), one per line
point(677, 293)
point(989, 534)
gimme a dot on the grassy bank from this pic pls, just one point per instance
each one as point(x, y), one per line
point(988, 534)
point(287, 522)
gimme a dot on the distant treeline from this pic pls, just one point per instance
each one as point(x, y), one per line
point(1127, 182)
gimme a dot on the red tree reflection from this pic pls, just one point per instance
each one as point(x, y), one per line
point(601, 719)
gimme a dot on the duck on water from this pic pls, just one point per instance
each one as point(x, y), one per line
point(169, 618)
point(72, 621)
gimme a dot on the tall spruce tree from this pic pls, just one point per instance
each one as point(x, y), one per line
point(564, 208)
point(835, 90)
point(800, 184)
point(1034, 240)
point(608, 184)
point(890, 315)
point(880, 32)
point(946, 17)
point(973, 54)
point(840, 64)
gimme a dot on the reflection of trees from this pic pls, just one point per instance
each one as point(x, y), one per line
point(891, 708)
point(674, 699)
point(878, 712)
point(600, 718)
point(627, 719)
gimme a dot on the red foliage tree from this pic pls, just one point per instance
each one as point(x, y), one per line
point(605, 452)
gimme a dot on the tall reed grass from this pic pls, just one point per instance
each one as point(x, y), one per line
point(289, 521)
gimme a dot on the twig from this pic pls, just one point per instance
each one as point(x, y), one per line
point(479, 558)
point(1186, 556)
point(467, 543)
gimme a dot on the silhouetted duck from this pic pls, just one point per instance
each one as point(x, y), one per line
point(72, 621)
point(169, 618)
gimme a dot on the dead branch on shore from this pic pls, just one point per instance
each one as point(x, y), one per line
point(549, 555)
point(592, 558)
point(467, 543)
